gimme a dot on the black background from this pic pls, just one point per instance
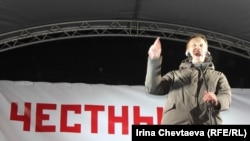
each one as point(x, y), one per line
point(106, 60)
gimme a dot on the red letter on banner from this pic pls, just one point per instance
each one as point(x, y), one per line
point(24, 118)
point(123, 119)
point(159, 114)
point(40, 117)
point(94, 116)
point(138, 119)
point(64, 118)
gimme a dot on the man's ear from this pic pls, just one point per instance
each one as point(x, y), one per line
point(208, 53)
point(187, 53)
point(208, 56)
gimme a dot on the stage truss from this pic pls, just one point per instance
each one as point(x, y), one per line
point(128, 28)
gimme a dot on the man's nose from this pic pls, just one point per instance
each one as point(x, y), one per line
point(197, 47)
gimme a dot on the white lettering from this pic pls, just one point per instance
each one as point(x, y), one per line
point(166, 132)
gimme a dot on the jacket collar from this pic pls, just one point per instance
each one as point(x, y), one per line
point(186, 63)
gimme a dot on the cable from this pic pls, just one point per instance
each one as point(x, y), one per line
point(209, 104)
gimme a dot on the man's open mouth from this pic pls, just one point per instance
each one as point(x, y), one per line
point(198, 54)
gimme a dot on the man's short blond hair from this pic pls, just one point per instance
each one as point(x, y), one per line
point(197, 35)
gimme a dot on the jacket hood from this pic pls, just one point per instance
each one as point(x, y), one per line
point(187, 63)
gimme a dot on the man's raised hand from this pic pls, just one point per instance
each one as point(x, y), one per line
point(154, 51)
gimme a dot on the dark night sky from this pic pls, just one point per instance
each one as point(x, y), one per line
point(106, 60)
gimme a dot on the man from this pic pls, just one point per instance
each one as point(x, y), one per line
point(196, 92)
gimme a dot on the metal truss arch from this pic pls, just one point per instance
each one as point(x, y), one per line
point(129, 28)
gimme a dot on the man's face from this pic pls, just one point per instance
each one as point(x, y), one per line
point(197, 47)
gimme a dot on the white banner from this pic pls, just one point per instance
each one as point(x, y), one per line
point(76, 111)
